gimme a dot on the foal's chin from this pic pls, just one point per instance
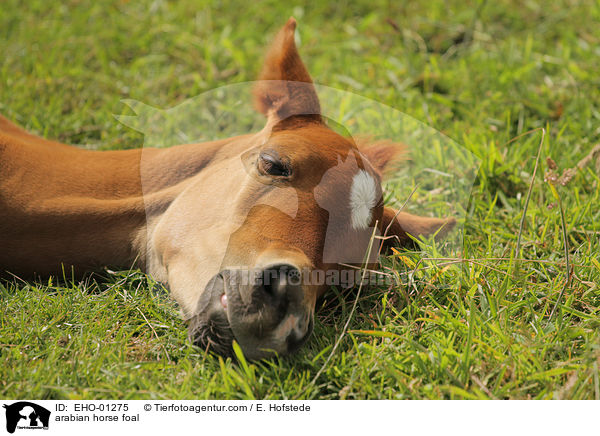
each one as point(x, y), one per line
point(209, 328)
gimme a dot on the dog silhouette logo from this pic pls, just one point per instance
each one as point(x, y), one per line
point(26, 415)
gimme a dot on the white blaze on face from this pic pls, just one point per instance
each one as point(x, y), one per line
point(363, 196)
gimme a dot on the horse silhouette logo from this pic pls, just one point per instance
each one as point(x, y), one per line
point(26, 415)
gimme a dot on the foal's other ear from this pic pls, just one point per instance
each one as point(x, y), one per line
point(403, 224)
point(384, 154)
point(291, 92)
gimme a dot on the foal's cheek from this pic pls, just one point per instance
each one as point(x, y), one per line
point(185, 288)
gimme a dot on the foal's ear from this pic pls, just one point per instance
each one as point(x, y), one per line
point(403, 224)
point(384, 155)
point(285, 88)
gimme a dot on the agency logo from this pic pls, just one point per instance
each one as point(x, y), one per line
point(26, 415)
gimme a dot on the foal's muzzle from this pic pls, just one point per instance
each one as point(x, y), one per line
point(266, 310)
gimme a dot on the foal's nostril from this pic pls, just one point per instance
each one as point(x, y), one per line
point(279, 280)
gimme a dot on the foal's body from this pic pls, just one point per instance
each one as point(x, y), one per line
point(292, 198)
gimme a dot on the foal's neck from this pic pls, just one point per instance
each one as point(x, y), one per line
point(61, 205)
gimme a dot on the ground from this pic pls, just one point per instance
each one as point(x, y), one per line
point(483, 73)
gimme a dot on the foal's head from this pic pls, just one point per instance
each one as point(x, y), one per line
point(295, 204)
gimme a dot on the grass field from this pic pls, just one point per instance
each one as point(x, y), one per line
point(483, 73)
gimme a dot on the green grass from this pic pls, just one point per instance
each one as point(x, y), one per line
point(481, 73)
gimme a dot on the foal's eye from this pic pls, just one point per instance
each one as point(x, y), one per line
point(273, 165)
